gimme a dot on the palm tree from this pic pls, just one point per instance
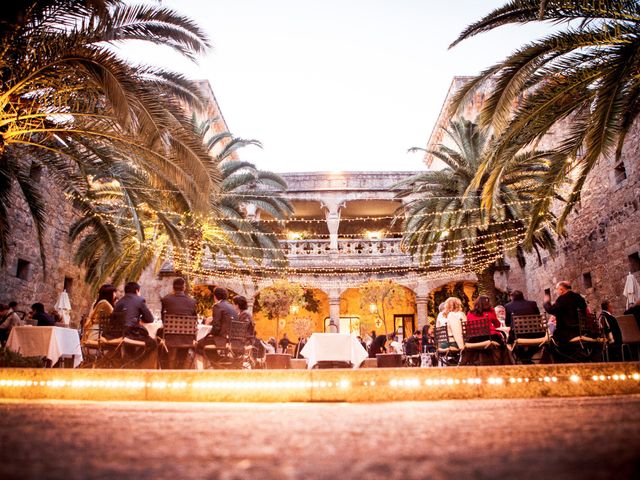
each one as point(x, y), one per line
point(243, 184)
point(443, 219)
point(586, 74)
point(71, 103)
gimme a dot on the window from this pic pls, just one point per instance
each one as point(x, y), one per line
point(619, 173)
point(634, 262)
point(23, 272)
point(68, 283)
point(35, 172)
point(586, 280)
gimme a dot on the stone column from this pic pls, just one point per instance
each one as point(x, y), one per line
point(421, 310)
point(334, 309)
point(332, 212)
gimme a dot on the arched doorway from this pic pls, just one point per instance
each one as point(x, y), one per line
point(300, 322)
point(392, 308)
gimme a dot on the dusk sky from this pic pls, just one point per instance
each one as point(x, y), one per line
point(331, 85)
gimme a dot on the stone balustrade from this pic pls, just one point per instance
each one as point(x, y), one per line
point(355, 247)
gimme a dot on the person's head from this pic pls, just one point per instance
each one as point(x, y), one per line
point(284, 335)
point(501, 312)
point(132, 287)
point(482, 305)
point(442, 306)
point(416, 333)
point(605, 305)
point(178, 284)
point(563, 287)
point(37, 307)
point(13, 305)
point(220, 294)
point(452, 304)
point(107, 292)
point(373, 334)
point(517, 295)
point(391, 336)
point(241, 302)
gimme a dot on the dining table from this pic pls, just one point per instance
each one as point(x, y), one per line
point(50, 342)
point(337, 347)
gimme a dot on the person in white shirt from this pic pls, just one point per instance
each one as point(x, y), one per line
point(453, 317)
point(440, 319)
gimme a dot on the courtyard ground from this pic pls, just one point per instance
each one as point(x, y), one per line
point(558, 438)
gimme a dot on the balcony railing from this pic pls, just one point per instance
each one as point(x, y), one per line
point(355, 247)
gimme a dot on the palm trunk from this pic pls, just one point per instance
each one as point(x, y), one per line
point(487, 284)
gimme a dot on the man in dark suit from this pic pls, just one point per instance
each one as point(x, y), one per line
point(178, 302)
point(612, 331)
point(565, 309)
point(42, 317)
point(133, 308)
point(175, 303)
point(519, 306)
point(516, 307)
point(223, 314)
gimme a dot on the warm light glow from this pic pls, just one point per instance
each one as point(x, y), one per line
point(294, 235)
point(373, 308)
point(294, 309)
point(374, 234)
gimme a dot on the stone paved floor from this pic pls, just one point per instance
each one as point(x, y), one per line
point(582, 438)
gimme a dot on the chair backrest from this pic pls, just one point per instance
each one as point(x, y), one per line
point(477, 327)
point(113, 327)
point(629, 329)
point(238, 334)
point(180, 325)
point(589, 325)
point(442, 337)
point(529, 324)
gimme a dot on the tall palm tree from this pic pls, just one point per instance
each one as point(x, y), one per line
point(243, 184)
point(586, 74)
point(443, 218)
point(70, 102)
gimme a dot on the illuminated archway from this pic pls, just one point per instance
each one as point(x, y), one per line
point(300, 322)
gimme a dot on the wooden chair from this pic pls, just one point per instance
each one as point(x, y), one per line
point(110, 341)
point(179, 334)
point(630, 334)
point(448, 353)
point(590, 344)
point(478, 342)
point(529, 331)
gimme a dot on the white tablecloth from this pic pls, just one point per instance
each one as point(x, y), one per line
point(153, 328)
point(50, 342)
point(342, 347)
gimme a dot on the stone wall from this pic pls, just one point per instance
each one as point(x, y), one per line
point(601, 234)
point(36, 285)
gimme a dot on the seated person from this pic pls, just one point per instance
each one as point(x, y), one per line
point(612, 331)
point(378, 346)
point(452, 317)
point(499, 356)
point(135, 311)
point(8, 320)
point(43, 318)
point(223, 314)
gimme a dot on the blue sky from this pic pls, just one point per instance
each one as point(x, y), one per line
point(338, 85)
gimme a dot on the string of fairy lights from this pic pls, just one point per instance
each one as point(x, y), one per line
point(218, 255)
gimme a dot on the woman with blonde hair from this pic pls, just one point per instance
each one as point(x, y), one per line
point(454, 316)
point(99, 313)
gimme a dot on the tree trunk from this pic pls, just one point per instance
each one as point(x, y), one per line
point(487, 284)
